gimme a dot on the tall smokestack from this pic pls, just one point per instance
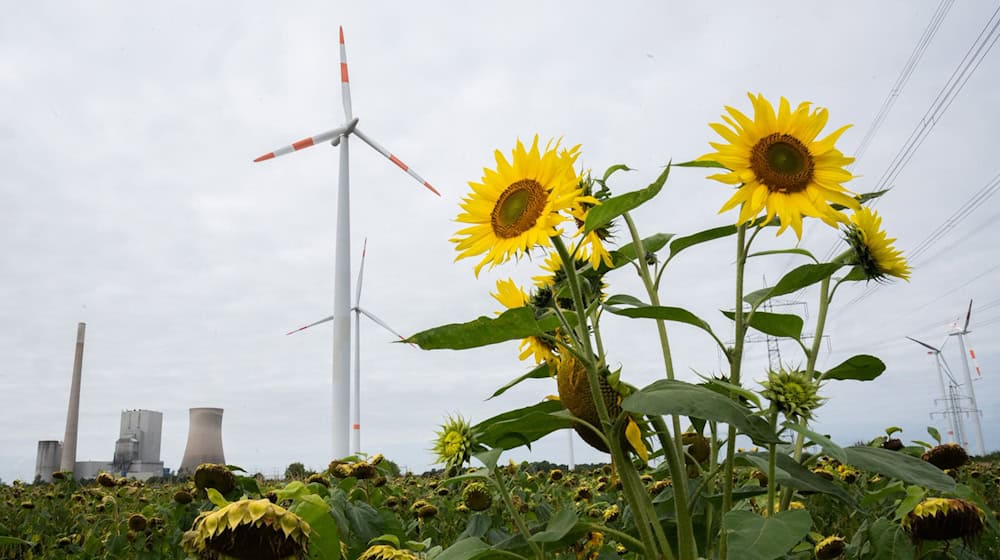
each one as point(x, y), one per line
point(68, 462)
point(204, 444)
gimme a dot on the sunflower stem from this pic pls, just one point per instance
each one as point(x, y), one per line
point(688, 546)
point(641, 504)
point(811, 357)
point(772, 485)
point(735, 362)
point(516, 515)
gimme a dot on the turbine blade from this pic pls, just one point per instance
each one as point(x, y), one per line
point(345, 81)
point(321, 321)
point(968, 316)
point(380, 149)
point(305, 143)
point(361, 275)
point(925, 345)
point(382, 323)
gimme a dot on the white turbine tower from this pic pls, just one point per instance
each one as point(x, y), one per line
point(342, 259)
point(951, 398)
point(356, 377)
point(976, 413)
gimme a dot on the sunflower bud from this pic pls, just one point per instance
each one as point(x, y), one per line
point(793, 393)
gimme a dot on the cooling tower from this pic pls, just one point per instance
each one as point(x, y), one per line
point(68, 460)
point(204, 444)
point(48, 459)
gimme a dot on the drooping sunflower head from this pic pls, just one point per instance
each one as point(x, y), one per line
point(511, 296)
point(874, 252)
point(946, 456)
point(386, 552)
point(942, 519)
point(780, 166)
point(210, 475)
point(454, 443)
point(792, 392)
point(519, 205)
point(248, 529)
point(574, 393)
point(477, 496)
point(830, 548)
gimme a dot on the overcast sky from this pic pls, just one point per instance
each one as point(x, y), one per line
point(129, 201)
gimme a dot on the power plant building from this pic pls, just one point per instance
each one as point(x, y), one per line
point(137, 451)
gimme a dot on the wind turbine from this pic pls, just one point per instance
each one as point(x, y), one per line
point(976, 413)
point(356, 377)
point(951, 397)
point(342, 257)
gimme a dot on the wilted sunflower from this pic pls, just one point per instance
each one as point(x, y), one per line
point(386, 552)
point(942, 519)
point(477, 496)
point(780, 165)
point(511, 296)
point(211, 475)
point(873, 250)
point(248, 529)
point(454, 443)
point(946, 456)
point(830, 548)
point(520, 204)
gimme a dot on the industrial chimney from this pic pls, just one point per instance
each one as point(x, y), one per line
point(68, 462)
point(204, 444)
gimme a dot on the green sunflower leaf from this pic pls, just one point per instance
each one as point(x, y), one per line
point(539, 372)
point(665, 313)
point(560, 524)
point(668, 396)
point(612, 170)
point(324, 540)
point(681, 243)
point(650, 245)
point(765, 538)
point(615, 206)
point(788, 472)
point(774, 324)
point(513, 324)
point(831, 448)
point(701, 163)
point(900, 466)
point(792, 251)
point(464, 549)
point(862, 198)
point(859, 368)
point(856, 274)
point(805, 275)
point(522, 426)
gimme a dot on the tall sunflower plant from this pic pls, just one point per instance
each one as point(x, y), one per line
point(783, 171)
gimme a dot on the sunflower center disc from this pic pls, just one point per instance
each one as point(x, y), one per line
point(782, 163)
point(518, 208)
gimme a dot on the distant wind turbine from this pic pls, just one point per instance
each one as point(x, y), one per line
point(951, 397)
point(356, 378)
point(976, 413)
point(342, 259)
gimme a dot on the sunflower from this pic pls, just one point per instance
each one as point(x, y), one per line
point(941, 519)
point(594, 239)
point(520, 204)
point(511, 296)
point(830, 548)
point(248, 529)
point(780, 166)
point(454, 444)
point(873, 251)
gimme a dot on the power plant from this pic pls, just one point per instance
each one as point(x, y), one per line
point(204, 443)
point(137, 449)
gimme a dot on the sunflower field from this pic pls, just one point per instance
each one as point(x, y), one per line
point(676, 485)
